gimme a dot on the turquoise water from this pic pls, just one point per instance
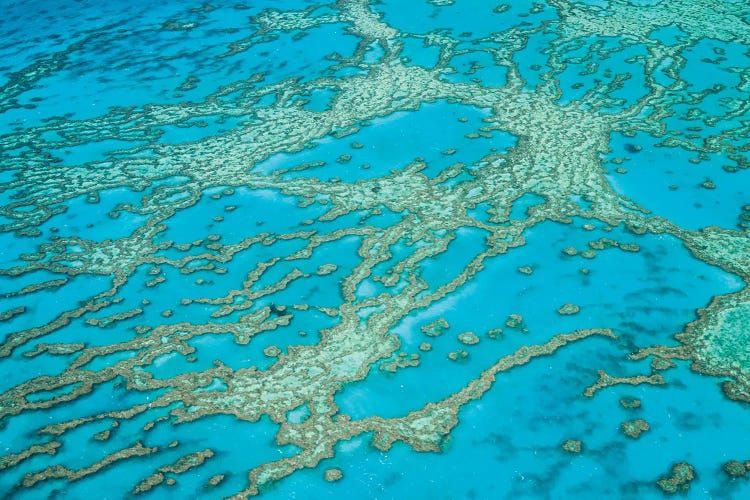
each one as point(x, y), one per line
point(428, 249)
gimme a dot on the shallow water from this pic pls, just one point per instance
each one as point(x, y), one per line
point(434, 249)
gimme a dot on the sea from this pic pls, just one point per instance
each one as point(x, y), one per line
point(423, 249)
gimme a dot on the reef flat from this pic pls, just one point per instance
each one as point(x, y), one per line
point(366, 249)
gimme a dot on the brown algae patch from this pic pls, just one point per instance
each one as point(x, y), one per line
point(678, 481)
point(634, 428)
point(515, 321)
point(606, 380)
point(458, 355)
point(573, 446)
point(735, 468)
point(436, 328)
point(425, 346)
point(333, 475)
point(468, 338)
point(630, 403)
point(568, 309)
point(495, 333)
point(216, 480)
